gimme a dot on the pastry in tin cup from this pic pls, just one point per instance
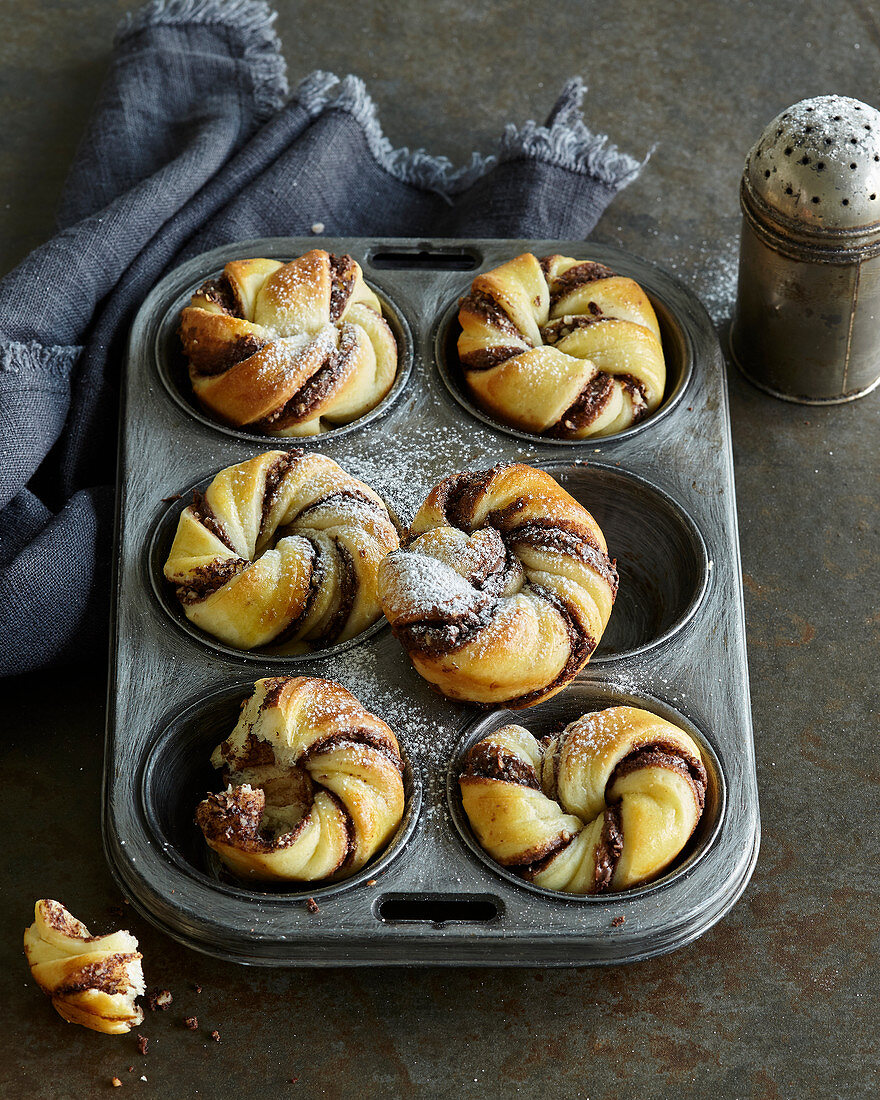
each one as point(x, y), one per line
point(288, 349)
point(282, 550)
point(314, 784)
point(606, 805)
point(503, 588)
point(561, 347)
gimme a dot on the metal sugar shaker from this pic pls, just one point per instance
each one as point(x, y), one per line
point(807, 320)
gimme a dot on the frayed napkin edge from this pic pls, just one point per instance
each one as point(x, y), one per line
point(565, 142)
point(251, 20)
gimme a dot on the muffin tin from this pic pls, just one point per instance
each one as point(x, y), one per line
point(662, 492)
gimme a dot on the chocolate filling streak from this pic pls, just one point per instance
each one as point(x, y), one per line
point(274, 688)
point(222, 359)
point(488, 761)
point(664, 754)
point(221, 292)
point(486, 358)
point(201, 509)
point(343, 495)
point(532, 862)
point(255, 752)
point(458, 495)
point(552, 536)
point(608, 850)
point(208, 579)
point(235, 818)
point(348, 586)
point(354, 737)
point(496, 576)
point(343, 274)
point(313, 393)
point(316, 579)
point(440, 636)
point(109, 976)
point(275, 475)
point(484, 306)
point(580, 642)
point(577, 276)
point(586, 407)
point(638, 393)
point(557, 330)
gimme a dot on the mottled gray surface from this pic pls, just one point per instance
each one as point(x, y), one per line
point(779, 999)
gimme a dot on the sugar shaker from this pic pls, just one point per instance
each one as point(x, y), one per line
point(806, 326)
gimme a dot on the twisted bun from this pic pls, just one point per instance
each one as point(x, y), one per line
point(289, 349)
point(315, 784)
point(503, 589)
point(561, 347)
point(282, 549)
point(92, 980)
point(606, 805)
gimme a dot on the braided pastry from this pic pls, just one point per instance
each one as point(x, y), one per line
point(288, 349)
point(561, 347)
point(92, 980)
point(315, 784)
point(282, 549)
point(504, 588)
point(606, 805)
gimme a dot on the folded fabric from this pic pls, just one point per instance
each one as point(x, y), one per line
point(192, 144)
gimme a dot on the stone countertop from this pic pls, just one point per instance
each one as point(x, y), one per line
point(777, 1000)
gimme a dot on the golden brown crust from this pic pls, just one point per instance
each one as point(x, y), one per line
point(503, 589)
point(620, 793)
point(315, 784)
point(282, 550)
point(288, 349)
point(92, 980)
point(561, 347)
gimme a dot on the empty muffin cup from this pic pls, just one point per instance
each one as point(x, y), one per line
point(177, 774)
point(662, 561)
point(679, 368)
point(550, 718)
point(173, 370)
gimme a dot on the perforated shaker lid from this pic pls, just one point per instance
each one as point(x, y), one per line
point(818, 164)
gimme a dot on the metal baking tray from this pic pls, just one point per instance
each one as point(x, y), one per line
point(662, 493)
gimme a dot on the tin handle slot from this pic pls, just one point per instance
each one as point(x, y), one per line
point(424, 259)
point(437, 909)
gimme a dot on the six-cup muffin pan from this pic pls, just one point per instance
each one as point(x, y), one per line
point(663, 494)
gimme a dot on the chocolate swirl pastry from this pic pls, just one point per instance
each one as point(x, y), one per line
point(315, 785)
point(561, 347)
point(503, 589)
point(288, 349)
point(283, 549)
point(92, 980)
point(606, 805)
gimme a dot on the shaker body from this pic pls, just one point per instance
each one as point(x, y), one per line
point(806, 330)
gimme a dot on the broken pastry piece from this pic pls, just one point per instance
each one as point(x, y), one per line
point(92, 980)
point(315, 784)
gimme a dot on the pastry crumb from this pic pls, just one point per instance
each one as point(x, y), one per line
point(215, 1035)
point(159, 999)
point(318, 227)
point(142, 1041)
point(617, 922)
point(115, 1082)
point(312, 906)
point(192, 1022)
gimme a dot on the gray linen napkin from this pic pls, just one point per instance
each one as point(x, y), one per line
point(194, 142)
